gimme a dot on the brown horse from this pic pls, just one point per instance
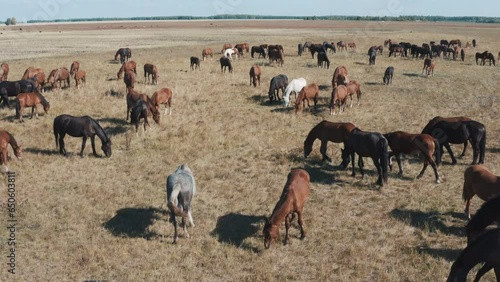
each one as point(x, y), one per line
point(352, 46)
point(5, 139)
point(226, 46)
point(341, 45)
point(243, 46)
point(339, 97)
point(59, 75)
point(207, 52)
point(80, 76)
point(428, 67)
point(151, 70)
point(255, 75)
point(353, 87)
point(32, 99)
point(327, 131)
point(308, 92)
point(134, 96)
point(291, 202)
point(478, 180)
point(387, 42)
point(128, 66)
point(435, 120)
point(163, 96)
point(75, 66)
point(340, 76)
point(129, 80)
point(35, 72)
point(4, 71)
point(405, 143)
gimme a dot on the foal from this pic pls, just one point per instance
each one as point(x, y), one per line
point(310, 91)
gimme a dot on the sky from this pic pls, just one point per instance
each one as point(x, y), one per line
point(24, 10)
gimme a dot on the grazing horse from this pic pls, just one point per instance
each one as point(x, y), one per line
point(478, 180)
point(389, 73)
point(307, 45)
point(35, 72)
point(342, 45)
point(353, 87)
point(181, 188)
point(459, 132)
point(316, 48)
point(124, 53)
point(352, 46)
point(151, 70)
point(427, 66)
point(462, 55)
point(367, 144)
point(32, 99)
point(278, 82)
point(225, 47)
point(207, 52)
point(323, 60)
point(194, 63)
point(291, 202)
point(433, 121)
point(276, 55)
point(327, 131)
point(486, 248)
point(372, 53)
point(255, 75)
point(80, 76)
point(163, 96)
point(13, 88)
point(60, 74)
point(4, 71)
point(75, 66)
point(129, 80)
point(5, 139)
point(140, 110)
point(134, 96)
point(228, 53)
point(243, 46)
point(310, 91)
point(387, 42)
point(299, 49)
point(225, 63)
point(294, 86)
point(85, 127)
point(405, 143)
point(330, 46)
point(260, 50)
point(340, 76)
point(128, 66)
point(339, 97)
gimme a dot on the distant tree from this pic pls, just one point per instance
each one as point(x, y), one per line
point(11, 21)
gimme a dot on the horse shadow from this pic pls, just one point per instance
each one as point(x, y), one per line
point(263, 101)
point(323, 87)
point(447, 254)
point(114, 93)
point(374, 83)
point(359, 63)
point(134, 222)
point(493, 150)
point(322, 173)
point(9, 118)
point(289, 109)
point(234, 228)
point(112, 79)
point(432, 221)
point(114, 62)
point(412, 74)
point(41, 151)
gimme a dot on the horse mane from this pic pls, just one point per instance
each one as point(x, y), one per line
point(312, 135)
point(44, 101)
point(485, 215)
point(104, 137)
point(12, 141)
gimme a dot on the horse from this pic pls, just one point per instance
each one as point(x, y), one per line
point(489, 56)
point(277, 47)
point(228, 53)
point(405, 143)
point(260, 50)
point(225, 47)
point(433, 121)
point(340, 76)
point(181, 188)
point(32, 99)
point(128, 66)
point(255, 75)
point(194, 63)
point(151, 70)
point(278, 82)
point(5, 139)
point(4, 71)
point(339, 97)
point(352, 46)
point(307, 45)
point(342, 45)
point(327, 131)
point(462, 55)
point(316, 48)
point(85, 127)
point(310, 91)
point(459, 132)
point(299, 49)
point(294, 86)
point(372, 53)
point(60, 74)
point(132, 98)
point(330, 46)
point(353, 87)
point(129, 80)
point(455, 42)
point(242, 46)
point(478, 180)
point(207, 52)
point(427, 67)
point(367, 144)
point(140, 110)
point(276, 55)
point(387, 42)
point(291, 202)
point(225, 63)
point(379, 49)
point(163, 96)
point(80, 76)
point(485, 248)
point(13, 88)
point(323, 60)
point(396, 49)
point(389, 73)
point(124, 53)
point(35, 72)
point(75, 66)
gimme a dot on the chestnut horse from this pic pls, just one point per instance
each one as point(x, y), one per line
point(291, 202)
point(58, 75)
point(4, 71)
point(255, 75)
point(75, 66)
point(327, 131)
point(128, 66)
point(5, 139)
point(32, 99)
point(308, 92)
point(225, 47)
point(353, 87)
point(352, 46)
point(134, 96)
point(339, 76)
point(341, 45)
point(80, 76)
point(405, 143)
point(243, 46)
point(207, 52)
point(151, 70)
point(339, 97)
point(129, 80)
point(163, 96)
point(40, 76)
point(478, 180)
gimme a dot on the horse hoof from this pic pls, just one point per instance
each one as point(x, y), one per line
point(438, 181)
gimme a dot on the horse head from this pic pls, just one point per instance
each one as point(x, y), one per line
point(271, 232)
point(46, 107)
point(106, 148)
point(17, 152)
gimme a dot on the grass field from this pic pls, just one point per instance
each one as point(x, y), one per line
point(106, 219)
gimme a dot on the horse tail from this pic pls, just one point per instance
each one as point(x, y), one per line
point(437, 151)
point(172, 201)
point(465, 190)
point(384, 158)
point(56, 134)
point(18, 108)
point(482, 147)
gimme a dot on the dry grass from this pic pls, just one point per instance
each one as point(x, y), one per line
point(98, 218)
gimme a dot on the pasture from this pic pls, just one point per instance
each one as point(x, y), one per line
point(107, 218)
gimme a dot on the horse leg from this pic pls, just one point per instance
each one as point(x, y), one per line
point(184, 227)
point(475, 151)
point(398, 159)
point(190, 217)
point(174, 222)
point(4, 159)
point(301, 224)
point(84, 141)
point(323, 149)
point(448, 148)
point(92, 139)
point(360, 165)
point(352, 161)
point(62, 150)
point(287, 227)
point(467, 208)
point(465, 149)
point(379, 170)
point(486, 267)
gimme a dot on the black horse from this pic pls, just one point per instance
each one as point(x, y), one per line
point(278, 82)
point(13, 88)
point(124, 53)
point(459, 133)
point(367, 144)
point(486, 248)
point(299, 49)
point(84, 127)
point(330, 46)
point(316, 48)
point(372, 52)
point(323, 60)
point(389, 73)
point(225, 63)
point(140, 110)
point(259, 50)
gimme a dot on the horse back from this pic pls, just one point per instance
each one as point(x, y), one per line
point(296, 190)
point(336, 132)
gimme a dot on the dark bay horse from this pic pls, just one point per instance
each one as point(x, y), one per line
point(372, 54)
point(278, 82)
point(5, 139)
point(367, 144)
point(13, 88)
point(32, 99)
point(434, 120)
point(134, 96)
point(259, 50)
point(405, 143)
point(225, 63)
point(85, 127)
point(124, 53)
point(140, 110)
point(291, 202)
point(478, 180)
point(323, 60)
point(194, 63)
point(327, 131)
point(389, 73)
point(151, 70)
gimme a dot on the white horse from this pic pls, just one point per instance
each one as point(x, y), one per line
point(294, 86)
point(229, 54)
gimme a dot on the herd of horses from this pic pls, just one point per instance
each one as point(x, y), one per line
point(438, 134)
